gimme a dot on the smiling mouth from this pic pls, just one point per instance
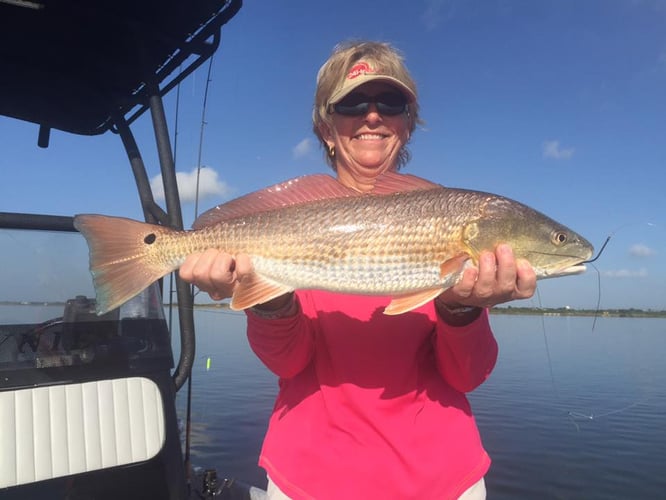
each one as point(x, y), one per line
point(369, 137)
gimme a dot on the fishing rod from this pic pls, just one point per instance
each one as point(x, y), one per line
point(188, 413)
point(201, 137)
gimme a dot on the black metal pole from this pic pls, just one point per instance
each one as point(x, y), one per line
point(175, 218)
point(152, 212)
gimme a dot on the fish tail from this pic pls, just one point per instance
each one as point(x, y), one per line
point(123, 257)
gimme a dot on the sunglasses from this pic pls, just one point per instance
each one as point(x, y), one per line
point(358, 104)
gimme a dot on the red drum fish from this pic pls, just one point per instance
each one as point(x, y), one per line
point(408, 238)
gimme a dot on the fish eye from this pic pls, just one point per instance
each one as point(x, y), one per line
point(150, 239)
point(559, 238)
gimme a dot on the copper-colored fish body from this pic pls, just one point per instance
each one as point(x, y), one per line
point(409, 244)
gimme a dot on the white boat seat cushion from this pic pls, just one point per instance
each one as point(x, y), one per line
point(55, 431)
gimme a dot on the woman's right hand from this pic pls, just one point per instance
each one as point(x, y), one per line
point(215, 272)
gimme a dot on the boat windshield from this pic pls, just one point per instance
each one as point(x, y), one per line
point(47, 312)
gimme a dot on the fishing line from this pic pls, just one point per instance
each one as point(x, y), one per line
point(201, 136)
point(600, 250)
point(598, 308)
point(188, 397)
point(545, 341)
point(592, 416)
point(175, 159)
point(574, 415)
point(590, 261)
point(188, 425)
point(608, 238)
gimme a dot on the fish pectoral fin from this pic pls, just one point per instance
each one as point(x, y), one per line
point(450, 272)
point(405, 303)
point(454, 267)
point(254, 289)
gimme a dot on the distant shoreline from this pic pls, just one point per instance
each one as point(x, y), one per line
point(566, 311)
point(537, 311)
point(507, 310)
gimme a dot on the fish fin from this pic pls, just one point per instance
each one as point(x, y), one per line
point(254, 289)
point(303, 190)
point(120, 261)
point(454, 266)
point(405, 303)
point(292, 192)
point(393, 182)
point(450, 272)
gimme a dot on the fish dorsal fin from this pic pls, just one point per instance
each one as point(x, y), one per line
point(393, 182)
point(292, 192)
point(303, 190)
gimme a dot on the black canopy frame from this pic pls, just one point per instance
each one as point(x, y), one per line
point(91, 67)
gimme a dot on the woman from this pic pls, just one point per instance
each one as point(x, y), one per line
point(370, 405)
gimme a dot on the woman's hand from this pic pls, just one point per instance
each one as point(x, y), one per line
point(215, 272)
point(500, 277)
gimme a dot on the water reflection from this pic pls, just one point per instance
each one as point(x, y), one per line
point(568, 412)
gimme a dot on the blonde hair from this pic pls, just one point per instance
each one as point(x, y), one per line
point(386, 59)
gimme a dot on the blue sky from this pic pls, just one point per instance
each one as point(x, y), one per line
point(561, 105)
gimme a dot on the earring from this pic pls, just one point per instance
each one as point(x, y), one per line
point(331, 150)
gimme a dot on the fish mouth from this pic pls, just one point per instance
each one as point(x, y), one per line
point(565, 271)
point(575, 269)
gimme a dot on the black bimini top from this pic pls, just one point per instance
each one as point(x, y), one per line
point(72, 64)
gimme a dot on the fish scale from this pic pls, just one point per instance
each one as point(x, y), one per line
point(375, 244)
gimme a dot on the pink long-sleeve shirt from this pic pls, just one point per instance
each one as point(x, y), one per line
point(370, 405)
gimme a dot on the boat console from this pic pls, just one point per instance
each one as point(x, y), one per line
point(88, 402)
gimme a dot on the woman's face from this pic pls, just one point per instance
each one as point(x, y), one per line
point(367, 145)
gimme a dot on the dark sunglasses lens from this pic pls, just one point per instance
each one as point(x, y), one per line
point(353, 105)
point(390, 103)
point(357, 104)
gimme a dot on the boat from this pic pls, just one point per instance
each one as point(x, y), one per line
point(88, 402)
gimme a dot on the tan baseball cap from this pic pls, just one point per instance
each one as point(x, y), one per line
point(363, 72)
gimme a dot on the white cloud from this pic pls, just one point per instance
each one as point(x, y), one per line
point(209, 185)
point(432, 16)
point(303, 148)
point(640, 250)
point(552, 149)
point(626, 273)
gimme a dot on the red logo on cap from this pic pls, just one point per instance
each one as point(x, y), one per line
point(359, 69)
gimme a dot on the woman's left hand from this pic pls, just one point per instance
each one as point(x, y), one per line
point(500, 277)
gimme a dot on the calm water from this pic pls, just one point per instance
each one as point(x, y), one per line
point(568, 413)
point(595, 428)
